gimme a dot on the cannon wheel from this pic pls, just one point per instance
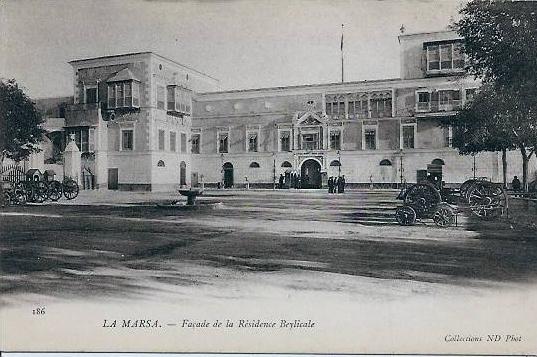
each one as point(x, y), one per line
point(26, 189)
point(70, 189)
point(55, 190)
point(424, 198)
point(40, 191)
point(487, 200)
point(19, 195)
point(444, 215)
point(465, 186)
point(405, 215)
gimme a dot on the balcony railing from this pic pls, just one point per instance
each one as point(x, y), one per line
point(438, 106)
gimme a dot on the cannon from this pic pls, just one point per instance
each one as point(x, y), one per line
point(424, 200)
point(39, 191)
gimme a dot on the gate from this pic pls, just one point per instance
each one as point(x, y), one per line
point(12, 173)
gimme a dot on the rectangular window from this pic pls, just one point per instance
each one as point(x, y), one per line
point(173, 141)
point(433, 58)
point(341, 108)
point(381, 107)
point(458, 55)
point(128, 94)
point(161, 94)
point(112, 95)
point(328, 108)
point(84, 140)
point(135, 94)
point(196, 143)
point(335, 140)
point(408, 136)
point(352, 106)
point(424, 99)
point(161, 139)
point(183, 142)
point(362, 108)
point(446, 56)
point(120, 99)
point(171, 98)
point(252, 142)
point(127, 139)
point(91, 139)
point(285, 141)
point(310, 142)
point(370, 137)
point(223, 142)
point(91, 95)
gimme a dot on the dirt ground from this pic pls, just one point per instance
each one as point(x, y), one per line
point(306, 255)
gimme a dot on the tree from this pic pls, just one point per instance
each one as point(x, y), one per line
point(500, 43)
point(22, 123)
point(493, 122)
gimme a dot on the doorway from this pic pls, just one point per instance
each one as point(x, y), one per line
point(228, 174)
point(113, 178)
point(311, 174)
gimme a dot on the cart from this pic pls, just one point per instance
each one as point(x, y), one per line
point(424, 200)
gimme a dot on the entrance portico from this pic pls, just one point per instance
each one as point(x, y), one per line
point(310, 174)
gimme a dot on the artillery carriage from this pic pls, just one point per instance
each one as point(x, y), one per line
point(424, 200)
point(38, 188)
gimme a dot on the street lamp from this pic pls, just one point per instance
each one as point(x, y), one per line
point(401, 168)
point(473, 167)
point(273, 171)
point(339, 161)
point(222, 170)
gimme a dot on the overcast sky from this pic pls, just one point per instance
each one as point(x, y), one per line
point(243, 43)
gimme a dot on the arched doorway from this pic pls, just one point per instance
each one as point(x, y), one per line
point(228, 174)
point(182, 173)
point(310, 174)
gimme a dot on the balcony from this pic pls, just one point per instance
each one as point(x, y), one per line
point(82, 114)
point(436, 106)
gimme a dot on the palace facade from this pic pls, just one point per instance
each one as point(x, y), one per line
point(144, 122)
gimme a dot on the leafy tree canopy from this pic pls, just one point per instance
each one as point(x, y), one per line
point(500, 40)
point(20, 122)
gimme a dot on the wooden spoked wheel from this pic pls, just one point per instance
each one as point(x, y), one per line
point(70, 189)
point(487, 200)
point(55, 190)
point(40, 191)
point(444, 216)
point(405, 215)
point(423, 198)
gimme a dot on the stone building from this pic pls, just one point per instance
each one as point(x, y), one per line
point(144, 122)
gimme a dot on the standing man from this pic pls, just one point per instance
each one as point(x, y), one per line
point(342, 180)
point(280, 181)
point(515, 184)
point(330, 184)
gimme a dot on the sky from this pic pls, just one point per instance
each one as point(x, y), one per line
point(243, 43)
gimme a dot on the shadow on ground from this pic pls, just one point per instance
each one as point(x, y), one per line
point(88, 251)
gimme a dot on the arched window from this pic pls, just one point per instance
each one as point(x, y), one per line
point(335, 163)
point(228, 165)
point(385, 162)
point(438, 162)
point(254, 165)
point(161, 163)
point(286, 164)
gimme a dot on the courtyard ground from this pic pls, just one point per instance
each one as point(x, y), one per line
point(340, 260)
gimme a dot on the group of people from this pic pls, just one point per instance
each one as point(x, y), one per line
point(290, 180)
point(336, 184)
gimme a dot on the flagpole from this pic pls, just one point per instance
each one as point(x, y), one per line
point(342, 67)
